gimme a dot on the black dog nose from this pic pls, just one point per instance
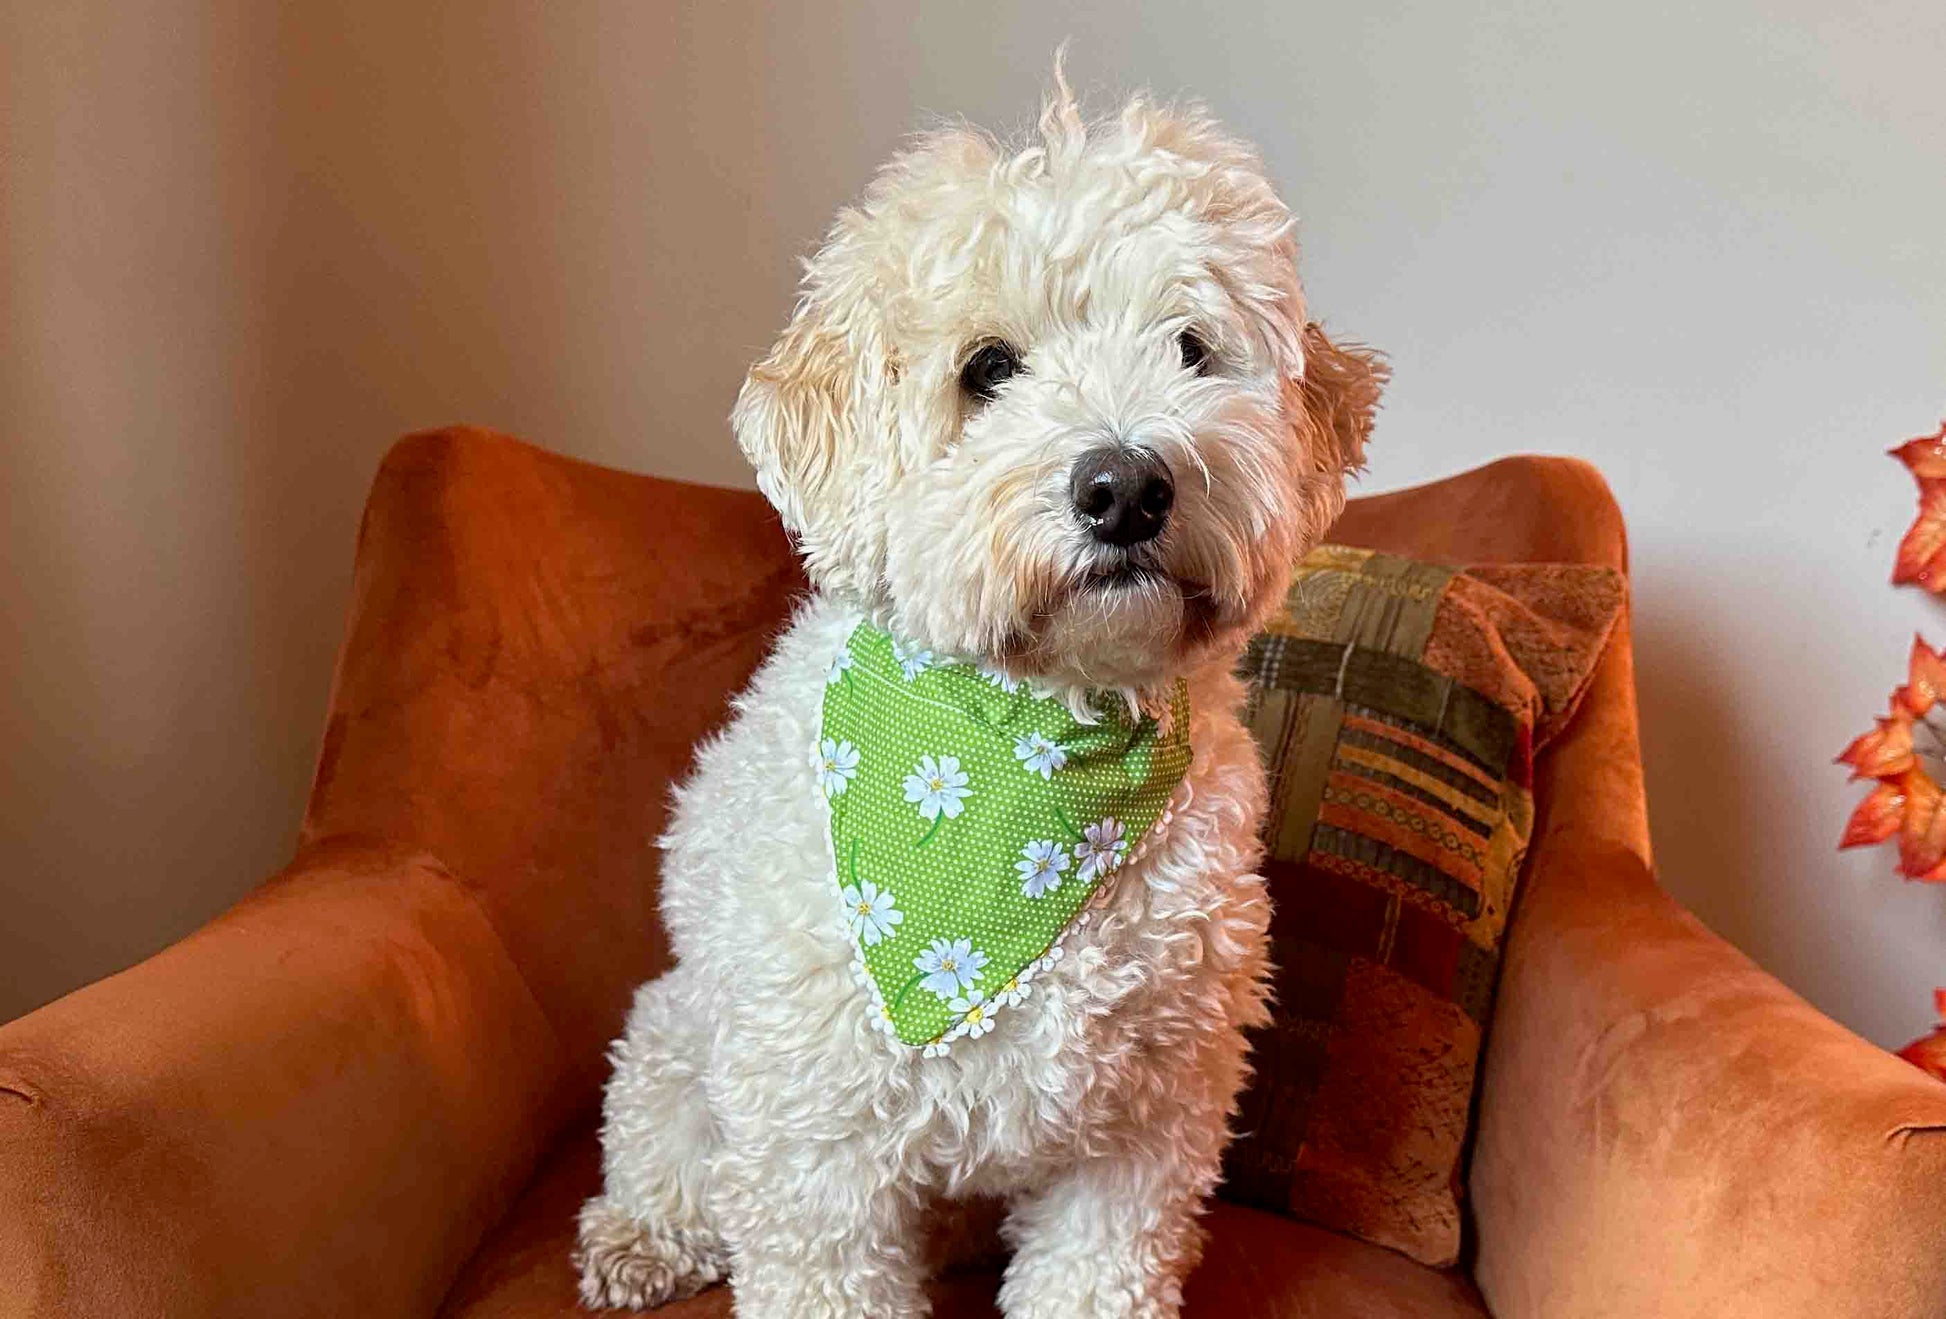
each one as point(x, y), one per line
point(1124, 495)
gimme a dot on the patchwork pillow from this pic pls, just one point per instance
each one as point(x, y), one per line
point(1398, 706)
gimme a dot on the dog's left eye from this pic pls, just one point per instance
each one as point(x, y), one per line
point(988, 369)
point(1195, 353)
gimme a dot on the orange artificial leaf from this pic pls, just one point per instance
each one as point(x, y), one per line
point(1922, 834)
point(1924, 457)
point(1884, 752)
point(1922, 551)
point(1877, 818)
point(1928, 1053)
point(1925, 679)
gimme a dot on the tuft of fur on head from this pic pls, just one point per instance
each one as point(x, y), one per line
point(1089, 250)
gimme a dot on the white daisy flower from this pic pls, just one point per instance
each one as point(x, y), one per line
point(836, 672)
point(1041, 865)
point(1015, 990)
point(938, 787)
point(1000, 678)
point(837, 766)
point(937, 1049)
point(911, 662)
point(976, 1014)
point(1039, 755)
point(881, 1019)
point(951, 967)
point(869, 911)
point(1102, 850)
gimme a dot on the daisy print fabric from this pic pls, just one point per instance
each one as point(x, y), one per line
point(972, 821)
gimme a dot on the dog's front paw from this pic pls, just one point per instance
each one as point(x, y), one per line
point(1090, 1289)
point(628, 1264)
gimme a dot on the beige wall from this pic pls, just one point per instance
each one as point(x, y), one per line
point(242, 246)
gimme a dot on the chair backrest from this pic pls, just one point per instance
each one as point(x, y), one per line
point(535, 645)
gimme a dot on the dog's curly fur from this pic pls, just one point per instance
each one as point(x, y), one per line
point(756, 1126)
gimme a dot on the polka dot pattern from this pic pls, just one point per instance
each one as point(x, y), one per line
point(973, 822)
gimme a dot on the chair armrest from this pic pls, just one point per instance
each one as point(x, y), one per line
point(1664, 1129)
point(321, 1101)
point(315, 1105)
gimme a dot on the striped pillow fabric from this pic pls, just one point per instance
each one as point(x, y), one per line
point(1398, 706)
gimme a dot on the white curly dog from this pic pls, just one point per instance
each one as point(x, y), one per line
point(1055, 408)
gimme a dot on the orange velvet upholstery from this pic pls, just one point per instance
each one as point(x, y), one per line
point(365, 1090)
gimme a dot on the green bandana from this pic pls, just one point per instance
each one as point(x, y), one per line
point(972, 821)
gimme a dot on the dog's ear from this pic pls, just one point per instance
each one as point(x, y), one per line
point(1339, 394)
point(798, 410)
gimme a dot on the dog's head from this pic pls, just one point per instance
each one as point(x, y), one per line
point(1059, 407)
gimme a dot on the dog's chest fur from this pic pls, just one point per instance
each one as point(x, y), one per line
point(1162, 975)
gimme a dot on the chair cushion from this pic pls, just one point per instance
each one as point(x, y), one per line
point(1256, 1265)
point(1398, 704)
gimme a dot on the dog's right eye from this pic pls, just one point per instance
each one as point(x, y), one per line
point(988, 369)
point(1195, 352)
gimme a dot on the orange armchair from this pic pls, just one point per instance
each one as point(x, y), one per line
point(368, 1088)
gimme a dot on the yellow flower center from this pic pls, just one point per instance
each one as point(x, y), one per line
point(976, 1013)
point(948, 964)
point(938, 785)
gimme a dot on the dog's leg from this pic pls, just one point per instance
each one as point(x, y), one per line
point(1110, 1239)
point(819, 1230)
point(647, 1238)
